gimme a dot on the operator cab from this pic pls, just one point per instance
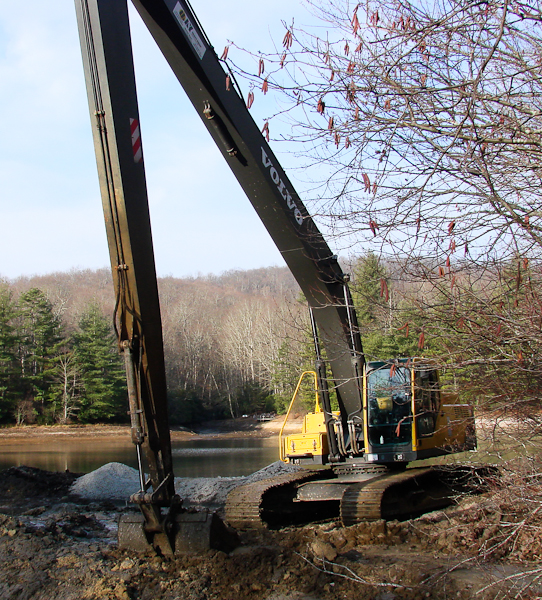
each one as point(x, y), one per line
point(402, 403)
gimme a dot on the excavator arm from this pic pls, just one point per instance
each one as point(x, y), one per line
point(107, 59)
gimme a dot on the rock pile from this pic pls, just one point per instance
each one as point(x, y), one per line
point(115, 481)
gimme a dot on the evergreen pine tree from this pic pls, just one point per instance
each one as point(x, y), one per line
point(285, 376)
point(381, 320)
point(39, 333)
point(9, 368)
point(369, 273)
point(103, 395)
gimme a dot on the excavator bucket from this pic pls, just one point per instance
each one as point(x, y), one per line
point(189, 533)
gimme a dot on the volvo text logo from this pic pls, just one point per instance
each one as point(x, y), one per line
point(281, 187)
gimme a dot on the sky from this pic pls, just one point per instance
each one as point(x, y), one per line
point(50, 203)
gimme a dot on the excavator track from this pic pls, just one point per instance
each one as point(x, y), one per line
point(409, 494)
point(364, 501)
point(268, 502)
point(393, 495)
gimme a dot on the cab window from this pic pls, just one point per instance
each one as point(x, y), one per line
point(426, 401)
point(389, 406)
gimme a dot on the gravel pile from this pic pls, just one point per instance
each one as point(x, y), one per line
point(115, 481)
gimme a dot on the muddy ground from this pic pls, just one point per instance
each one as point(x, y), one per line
point(57, 546)
point(54, 546)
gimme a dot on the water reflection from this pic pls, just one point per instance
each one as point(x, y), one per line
point(194, 458)
point(223, 458)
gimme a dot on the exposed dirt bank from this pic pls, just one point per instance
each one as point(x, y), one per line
point(54, 546)
point(234, 428)
point(249, 427)
point(9, 434)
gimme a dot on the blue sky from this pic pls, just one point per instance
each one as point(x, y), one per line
point(49, 196)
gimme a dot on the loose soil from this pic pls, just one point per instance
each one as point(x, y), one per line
point(57, 546)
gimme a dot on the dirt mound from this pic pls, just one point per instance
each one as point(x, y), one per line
point(20, 482)
point(24, 487)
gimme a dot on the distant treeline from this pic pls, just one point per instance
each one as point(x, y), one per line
point(227, 340)
point(235, 344)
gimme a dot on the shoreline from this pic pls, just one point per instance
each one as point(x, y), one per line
point(230, 428)
point(241, 428)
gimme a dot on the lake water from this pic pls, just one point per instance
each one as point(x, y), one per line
point(191, 458)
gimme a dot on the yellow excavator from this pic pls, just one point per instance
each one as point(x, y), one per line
point(383, 416)
point(405, 417)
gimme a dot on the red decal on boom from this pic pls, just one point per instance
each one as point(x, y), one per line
point(136, 141)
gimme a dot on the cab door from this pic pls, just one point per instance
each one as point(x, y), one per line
point(389, 419)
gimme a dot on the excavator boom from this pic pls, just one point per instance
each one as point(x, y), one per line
point(178, 34)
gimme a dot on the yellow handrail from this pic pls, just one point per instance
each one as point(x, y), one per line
point(317, 409)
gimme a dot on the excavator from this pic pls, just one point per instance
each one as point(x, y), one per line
point(370, 420)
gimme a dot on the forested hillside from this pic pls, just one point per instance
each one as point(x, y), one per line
point(236, 343)
point(230, 343)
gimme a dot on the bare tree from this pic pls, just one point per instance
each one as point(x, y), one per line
point(425, 118)
point(24, 412)
point(66, 385)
